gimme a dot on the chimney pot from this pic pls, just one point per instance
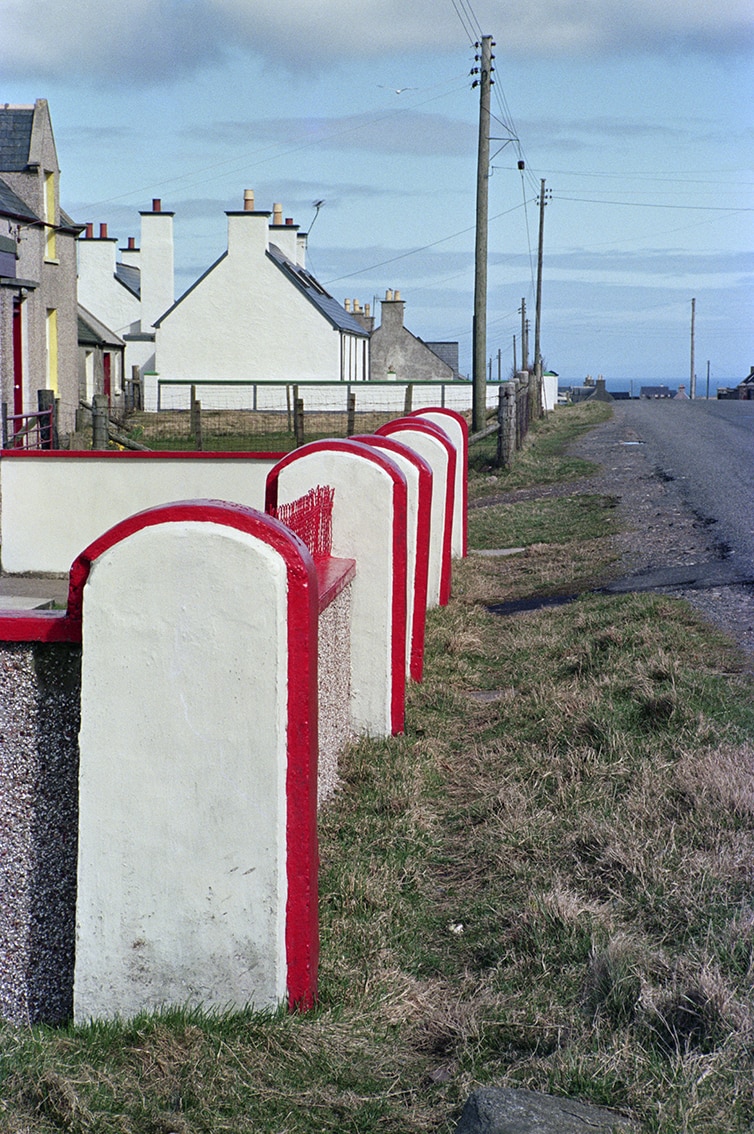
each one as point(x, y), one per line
point(389, 295)
point(156, 205)
point(131, 243)
point(367, 309)
point(89, 231)
point(397, 296)
point(103, 232)
point(289, 220)
point(277, 213)
point(248, 200)
point(347, 304)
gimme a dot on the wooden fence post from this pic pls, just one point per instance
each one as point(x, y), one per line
point(408, 400)
point(351, 427)
point(48, 431)
point(298, 421)
point(198, 439)
point(99, 421)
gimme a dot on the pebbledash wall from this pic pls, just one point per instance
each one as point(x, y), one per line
point(198, 888)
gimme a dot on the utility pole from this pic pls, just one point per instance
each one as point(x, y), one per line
point(692, 379)
point(538, 313)
point(515, 364)
point(524, 336)
point(479, 361)
point(707, 379)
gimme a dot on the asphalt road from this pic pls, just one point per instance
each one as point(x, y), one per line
point(707, 448)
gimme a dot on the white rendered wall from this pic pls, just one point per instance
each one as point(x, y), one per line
point(182, 857)
point(53, 507)
point(156, 263)
point(98, 289)
point(362, 530)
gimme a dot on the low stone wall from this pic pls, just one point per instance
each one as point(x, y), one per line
point(39, 724)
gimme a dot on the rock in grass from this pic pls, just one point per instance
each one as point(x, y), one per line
point(506, 1110)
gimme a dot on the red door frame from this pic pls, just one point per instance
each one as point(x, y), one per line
point(107, 374)
point(18, 359)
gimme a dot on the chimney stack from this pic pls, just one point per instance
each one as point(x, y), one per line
point(248, 200)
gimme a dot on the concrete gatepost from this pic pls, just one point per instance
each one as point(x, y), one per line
point(369, 525)
point(433, 444)
point(418, 476)
point(456, 427)
point(197, 856)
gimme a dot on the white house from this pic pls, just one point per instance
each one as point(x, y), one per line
point(128, 293)
point(38, 318)
point(257, 315)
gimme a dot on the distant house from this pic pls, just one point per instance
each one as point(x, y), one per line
point(257, 315)
point(746, 388)
point(101, 354)
point(127, 289)
point(38, 313)
point(655, 392)
point(397, 354)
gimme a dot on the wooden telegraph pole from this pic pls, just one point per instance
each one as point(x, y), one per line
point(479, 360)
point(692, 379)
point(537, 407)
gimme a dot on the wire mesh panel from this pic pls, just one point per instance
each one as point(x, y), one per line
point(310, 518)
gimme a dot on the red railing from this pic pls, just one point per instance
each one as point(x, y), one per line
point(29, 430)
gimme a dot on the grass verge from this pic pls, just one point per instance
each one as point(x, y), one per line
point(545, 883)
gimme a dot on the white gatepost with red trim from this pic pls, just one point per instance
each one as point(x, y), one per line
point(197, 861)
point(418, 476)
point(457, 429)
point(369, 526)
point(434, 445)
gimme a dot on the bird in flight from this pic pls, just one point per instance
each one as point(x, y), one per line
point(398, 90)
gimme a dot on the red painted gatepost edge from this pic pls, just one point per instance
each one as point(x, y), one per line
point(399, 557)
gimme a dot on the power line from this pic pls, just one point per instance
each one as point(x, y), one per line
point(654, 204)
point(415, 251)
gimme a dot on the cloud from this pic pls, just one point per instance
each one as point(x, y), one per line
point(155, 41)
point(390, 132)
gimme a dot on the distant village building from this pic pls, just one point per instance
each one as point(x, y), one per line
point(655, 392)
point(743, 392)
point(127, 289)
point(398, 355)
point(255, 315)
point(38, 315)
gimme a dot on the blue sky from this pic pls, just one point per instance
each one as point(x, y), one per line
point(637, 115)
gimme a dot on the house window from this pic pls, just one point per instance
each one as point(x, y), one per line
point(50, 242)
point(52, 351)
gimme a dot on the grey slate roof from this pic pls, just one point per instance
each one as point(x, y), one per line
point(15, 137)
point(313, 290)
point(92, 332)
point(130, 277)
point(11, 205)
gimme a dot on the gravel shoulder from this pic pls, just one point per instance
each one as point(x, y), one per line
point(660, 531)
point(661, 537)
